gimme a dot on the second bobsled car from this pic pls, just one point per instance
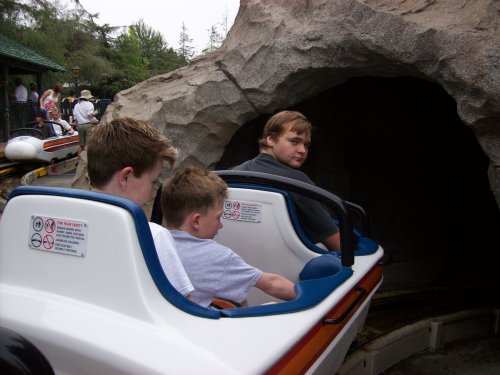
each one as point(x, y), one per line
point(27, 144)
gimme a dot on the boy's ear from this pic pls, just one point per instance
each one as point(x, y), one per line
point(193, 220)
point(270, 140)
point(123, 175)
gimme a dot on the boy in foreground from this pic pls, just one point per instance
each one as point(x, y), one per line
point(125, 158)
point(192, 204)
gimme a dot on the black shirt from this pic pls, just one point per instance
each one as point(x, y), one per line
point(314, 217)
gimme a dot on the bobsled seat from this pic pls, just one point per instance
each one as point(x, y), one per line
point(363, 245)
point(325, 265)
point(25, 132)
point(256, 225)
point(91, 247)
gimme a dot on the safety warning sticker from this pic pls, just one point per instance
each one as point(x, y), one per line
point(58, 235)
point(242, 211)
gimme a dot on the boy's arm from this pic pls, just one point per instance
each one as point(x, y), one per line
point(332, 242)
point(276, 286)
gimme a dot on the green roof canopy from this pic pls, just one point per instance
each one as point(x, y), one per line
point(22, 59)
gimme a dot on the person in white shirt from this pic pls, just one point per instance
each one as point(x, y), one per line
point(84, 114)
point(33, 95)
point(21, 92)
point(125, 158)
point(55, 115)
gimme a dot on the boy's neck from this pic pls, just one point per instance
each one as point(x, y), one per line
point(186, 228)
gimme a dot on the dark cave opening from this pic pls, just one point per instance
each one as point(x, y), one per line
point(397, 147)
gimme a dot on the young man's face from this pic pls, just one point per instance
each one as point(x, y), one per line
point(143, 189)
point(210, 223)
point(290, 148)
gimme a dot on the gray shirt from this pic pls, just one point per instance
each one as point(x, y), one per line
point(214, 269)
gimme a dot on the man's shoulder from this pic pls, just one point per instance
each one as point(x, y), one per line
point(241, 166)
point(266, 163)
point(252, 164)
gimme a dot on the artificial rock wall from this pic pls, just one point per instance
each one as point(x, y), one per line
point(279, 53)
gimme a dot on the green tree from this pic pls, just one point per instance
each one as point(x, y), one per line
point(155, 49)
point(71, 36)
point(129, 59)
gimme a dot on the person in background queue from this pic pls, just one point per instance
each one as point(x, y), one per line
point(84, 114)
point(51, 97)
point(21, 92)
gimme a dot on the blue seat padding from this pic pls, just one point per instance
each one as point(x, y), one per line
point(309, 294)
point(365, 246)
point(323, 266)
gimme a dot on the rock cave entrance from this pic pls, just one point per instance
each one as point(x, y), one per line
point(397, 147)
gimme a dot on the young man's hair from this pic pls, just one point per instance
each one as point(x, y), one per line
point(191, 189)
point(126, 142)
point(275, 126)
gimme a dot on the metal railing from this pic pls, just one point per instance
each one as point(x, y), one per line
point(22, 113)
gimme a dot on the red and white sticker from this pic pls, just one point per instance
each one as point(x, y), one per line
point(58, 235)
point(242, 211)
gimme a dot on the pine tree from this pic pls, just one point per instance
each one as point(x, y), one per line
point(186, 50)
point(215, 39)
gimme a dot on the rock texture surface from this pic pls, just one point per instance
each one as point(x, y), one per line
point(281, 52)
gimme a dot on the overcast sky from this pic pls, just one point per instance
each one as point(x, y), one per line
point(165, 16)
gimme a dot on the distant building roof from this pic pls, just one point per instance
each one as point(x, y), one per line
point(12, 50)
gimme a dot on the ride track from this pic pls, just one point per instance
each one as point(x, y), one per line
point(401, 324)
point(25, 173)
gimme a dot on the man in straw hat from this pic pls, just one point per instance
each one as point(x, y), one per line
point(84, 114)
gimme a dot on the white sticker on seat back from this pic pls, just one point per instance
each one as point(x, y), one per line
point(242, 211)
point(58, 235)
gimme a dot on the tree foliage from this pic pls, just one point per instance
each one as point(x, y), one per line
point(72, 37)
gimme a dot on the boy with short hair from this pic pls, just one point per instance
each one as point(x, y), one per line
point(125, 158)
point(284, 147)
point(192, 204)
